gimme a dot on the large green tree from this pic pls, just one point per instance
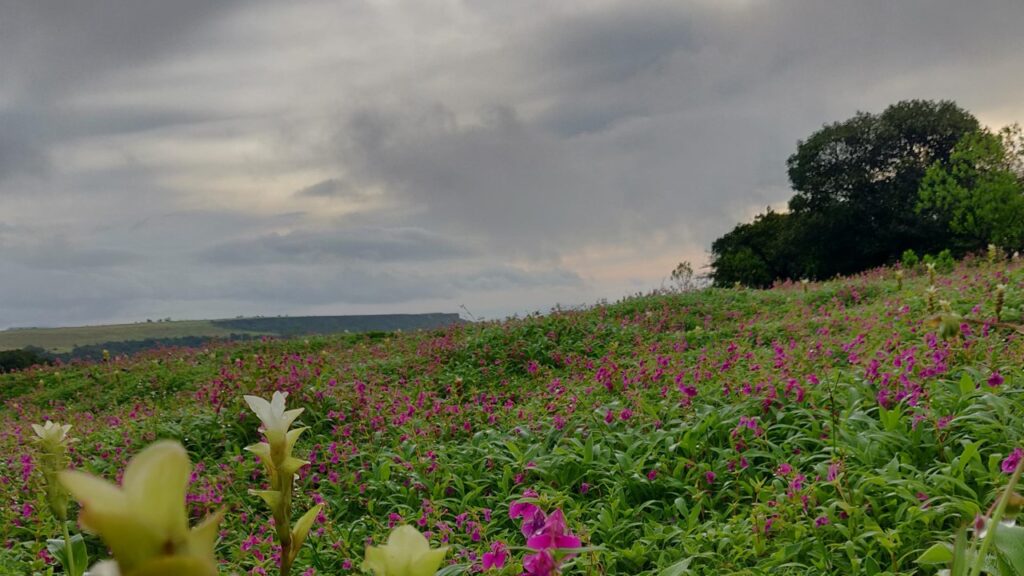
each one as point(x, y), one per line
point(979, 193)
point(855, 205)
point(856, 183)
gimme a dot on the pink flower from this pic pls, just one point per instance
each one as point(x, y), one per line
point(553, 534)
point(496, 557)
point(539, 564)
point(995, 380)
point(709, 477)
point(533, 517)
point(1010, 462)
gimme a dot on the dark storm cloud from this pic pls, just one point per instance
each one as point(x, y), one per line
point(309, 247)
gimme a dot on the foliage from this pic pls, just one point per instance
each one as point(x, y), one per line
point(856, 189)
point(760, 252)
point(711, 432)
point(980, 191)
point(11, 360)
point(909, 259)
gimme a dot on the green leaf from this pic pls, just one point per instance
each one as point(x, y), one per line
point(966, 384)
point(56, 547)
point(1009, 545)
point(940, 553)
point(680, 568)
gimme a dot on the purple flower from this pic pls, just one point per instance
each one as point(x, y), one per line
point(995, 380)
point(1010, 462)
point(496, 557)
point(833, 471)
point(821, 521)
point(553, 534)
point(539, 564)
point(709, 477)
point(533, 517)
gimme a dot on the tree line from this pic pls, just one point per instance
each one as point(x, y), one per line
point(921, 175)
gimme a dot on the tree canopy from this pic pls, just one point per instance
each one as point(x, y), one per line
point(980, 192)
point(856, 201)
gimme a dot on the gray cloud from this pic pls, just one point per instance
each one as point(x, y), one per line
point(309, 247)
point(330, 188)
point(210, 159)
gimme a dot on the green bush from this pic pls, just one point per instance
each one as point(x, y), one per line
point(909, 260)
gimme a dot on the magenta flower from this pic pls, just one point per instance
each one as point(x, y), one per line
point(496, 557)
point(1010, 462)
point(539, 564)
point(553, 534)
point(533, 517)
point(995, 380)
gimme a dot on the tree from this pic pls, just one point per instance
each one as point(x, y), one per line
point(757, 253)
point(857, 182)
point(979, 193)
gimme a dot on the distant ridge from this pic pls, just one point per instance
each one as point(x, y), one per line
point(305, 325)
point(90, 341)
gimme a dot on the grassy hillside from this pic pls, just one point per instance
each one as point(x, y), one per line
point(63, 340)
point(60, 340)
point(839, 430)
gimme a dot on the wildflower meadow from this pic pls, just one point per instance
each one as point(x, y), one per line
point(866, 425)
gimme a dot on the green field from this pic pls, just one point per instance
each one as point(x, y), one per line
point(61, 340)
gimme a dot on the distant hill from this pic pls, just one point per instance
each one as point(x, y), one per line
point(89, 341)
point(304, 325)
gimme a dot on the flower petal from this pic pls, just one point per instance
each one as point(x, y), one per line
point(376, 561)
point(408, 540)
point(427, 563)
point(301, 528)
point(262, 408)
point(155, 483)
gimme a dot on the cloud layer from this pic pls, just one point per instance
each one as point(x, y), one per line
point(196, 159)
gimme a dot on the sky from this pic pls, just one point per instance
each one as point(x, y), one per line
point(198, 159)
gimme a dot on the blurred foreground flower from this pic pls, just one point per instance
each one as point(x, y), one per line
point(144, 522)
point(407, 553)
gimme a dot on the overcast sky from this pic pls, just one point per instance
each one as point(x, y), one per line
point(197, 158)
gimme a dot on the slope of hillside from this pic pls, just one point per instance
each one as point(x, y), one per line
point(64, 340)
point(839, 429)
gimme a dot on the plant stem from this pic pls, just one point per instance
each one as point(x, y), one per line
point(69, 549)
point(993, 523)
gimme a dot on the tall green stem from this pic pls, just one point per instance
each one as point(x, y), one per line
point(283, 521)
point(993, 523)
point(69, 549)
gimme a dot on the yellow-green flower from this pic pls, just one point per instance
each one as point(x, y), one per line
point(144, 522)
point(53, 439)
point(276, 421)
point(52, 436)
point(407, 553)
